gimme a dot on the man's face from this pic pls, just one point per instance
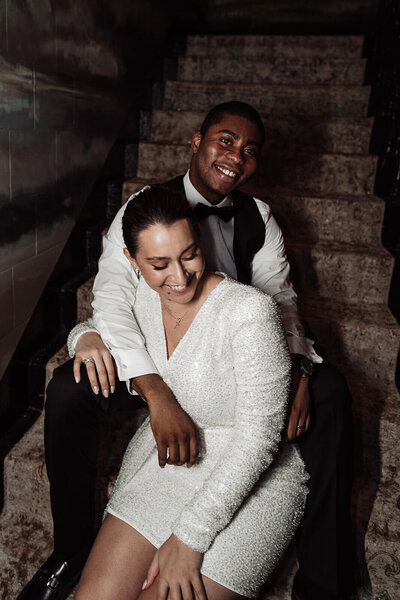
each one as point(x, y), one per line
point(225, 157)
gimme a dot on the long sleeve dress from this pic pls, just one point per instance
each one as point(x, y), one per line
point(241, 503)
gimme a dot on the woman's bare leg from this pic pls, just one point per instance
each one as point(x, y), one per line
point(214, 590)
point(117, 565)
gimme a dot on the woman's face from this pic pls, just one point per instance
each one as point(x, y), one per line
point(170, 260)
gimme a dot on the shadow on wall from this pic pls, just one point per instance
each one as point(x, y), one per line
point(69, 72)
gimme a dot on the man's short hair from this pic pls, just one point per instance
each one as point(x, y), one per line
point(236, 108)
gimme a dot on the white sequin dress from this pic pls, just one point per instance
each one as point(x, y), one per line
point(242, 502)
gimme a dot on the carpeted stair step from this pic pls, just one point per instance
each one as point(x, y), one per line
point(361, 340)
point(26, 515)
point(25, 523)
point(327, 134)
point(317, 173)
point(84, 301)
point(317, 100)
point(272, 71)
point(260, 47)
point(356, 277)
point(352, 220)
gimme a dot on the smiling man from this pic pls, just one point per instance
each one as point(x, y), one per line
point(241, 238)
point(225, 156)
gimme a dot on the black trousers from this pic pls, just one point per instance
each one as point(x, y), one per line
point(324, 540)
point(72, 435)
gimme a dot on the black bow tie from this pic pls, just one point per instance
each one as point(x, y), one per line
point(225, 212)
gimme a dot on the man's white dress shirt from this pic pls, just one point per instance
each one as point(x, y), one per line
point(115, 285)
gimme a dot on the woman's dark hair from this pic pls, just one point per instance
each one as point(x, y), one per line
point(236, 108)
point(153, 205)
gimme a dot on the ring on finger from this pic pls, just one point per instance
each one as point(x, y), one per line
point(300, 427)
point(88, 360)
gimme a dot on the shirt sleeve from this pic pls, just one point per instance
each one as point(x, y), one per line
point(262, 371)
point(270, 273)
point(114, 292)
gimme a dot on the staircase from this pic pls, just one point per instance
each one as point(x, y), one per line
point(318, 177)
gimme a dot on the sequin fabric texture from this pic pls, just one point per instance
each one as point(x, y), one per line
point(241, 503)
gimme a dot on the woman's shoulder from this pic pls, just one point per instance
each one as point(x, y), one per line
point(238, 296)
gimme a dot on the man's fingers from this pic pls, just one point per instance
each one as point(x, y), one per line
point(173, 453)
point(294, 419)
point(307, 423)
point(162, 454)
point(193, 450)
point(184, 450)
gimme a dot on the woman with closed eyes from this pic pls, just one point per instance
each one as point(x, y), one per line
point(217, 529)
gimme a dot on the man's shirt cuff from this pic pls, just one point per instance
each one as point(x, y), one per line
point(133, 363)
point(302, 345)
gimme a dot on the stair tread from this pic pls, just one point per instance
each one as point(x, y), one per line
point(270, 193)
point(370, 313)
point(272, 70)
point(334, 247)
point(260, 87)
point(346, 135)
point(352, 174)
point(270, 99)
point(279, 45)
point(358, 156)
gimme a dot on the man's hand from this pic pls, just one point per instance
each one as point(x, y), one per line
point(298, 419)
point(173, 429)
point(101, 367)
point(176, 569)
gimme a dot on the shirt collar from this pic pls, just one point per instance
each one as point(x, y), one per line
point(194, 197)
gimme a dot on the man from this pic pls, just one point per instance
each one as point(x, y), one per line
point(241, 238)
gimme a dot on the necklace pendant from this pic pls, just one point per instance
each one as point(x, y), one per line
point(178, 322)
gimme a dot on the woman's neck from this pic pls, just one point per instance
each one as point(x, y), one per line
point(177, 318)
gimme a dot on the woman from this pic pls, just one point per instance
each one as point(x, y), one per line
point(215, 530)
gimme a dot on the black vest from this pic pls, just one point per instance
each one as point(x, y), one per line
point(249, 228)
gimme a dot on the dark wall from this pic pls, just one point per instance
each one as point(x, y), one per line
point(68, 73)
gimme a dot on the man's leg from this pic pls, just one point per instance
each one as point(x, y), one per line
point(73, 421)
point(324, 548)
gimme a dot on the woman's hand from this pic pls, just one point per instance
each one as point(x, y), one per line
point(175, 569)
point(100, 367)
